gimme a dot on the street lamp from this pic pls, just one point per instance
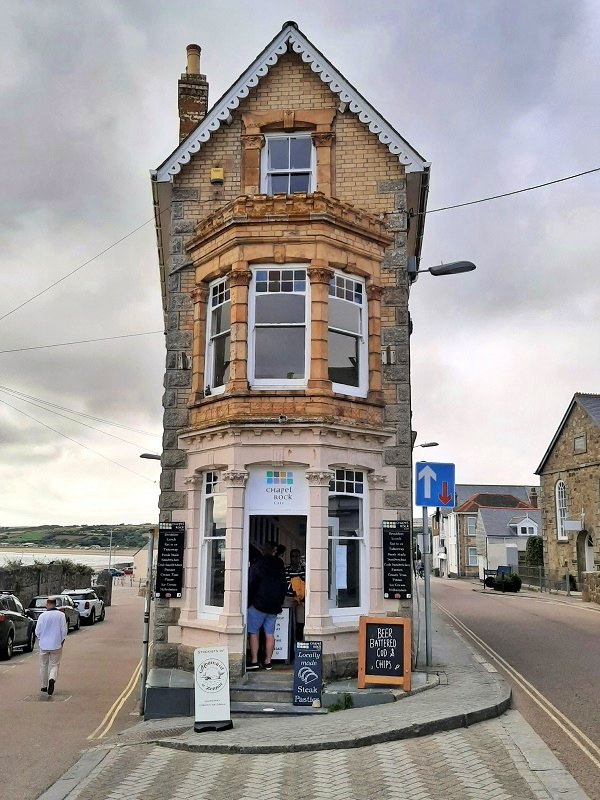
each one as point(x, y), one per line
point(453, 268)
point(427, 444)
point(153, 456)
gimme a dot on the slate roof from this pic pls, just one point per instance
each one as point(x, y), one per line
point(496, 520)
point(464, 491)
point(590, 403)
point(492, 500)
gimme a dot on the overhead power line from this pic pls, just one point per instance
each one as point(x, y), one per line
point(111, 423)
point(509, 194)
point(148, 221)
point(72, 419)
point(80, 341)
point(75, 441)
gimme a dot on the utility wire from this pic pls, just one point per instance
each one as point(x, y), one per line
point(71, 419)
point(20, 395)
point(64, 435)
point(148, 221)
point(80, 341)
point(510, 194)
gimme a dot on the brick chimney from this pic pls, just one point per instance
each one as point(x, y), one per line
point(533, 497)
point(192, 93)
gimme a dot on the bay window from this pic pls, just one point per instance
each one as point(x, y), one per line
point(346, 543)
point(278, 347)
point(347, 341)
point(212, 580)
point(287, 165)
point(218, 336)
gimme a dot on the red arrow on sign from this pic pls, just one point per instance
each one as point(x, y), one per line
point(444, 497)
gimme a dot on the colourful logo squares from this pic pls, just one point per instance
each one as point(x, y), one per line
point(279, 478)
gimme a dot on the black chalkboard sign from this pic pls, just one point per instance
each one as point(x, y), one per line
point(307, 674)
point(384, 651)
point(397, 567)
point(169, 562)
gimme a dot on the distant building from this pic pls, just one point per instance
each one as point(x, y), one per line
point(455, 549)
point(570, 499)
point(501, 536)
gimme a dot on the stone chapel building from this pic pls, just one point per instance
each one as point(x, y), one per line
point(284, 220)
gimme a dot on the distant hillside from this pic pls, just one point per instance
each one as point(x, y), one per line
point(56, 536)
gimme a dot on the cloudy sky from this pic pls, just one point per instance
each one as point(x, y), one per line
point(497, 95)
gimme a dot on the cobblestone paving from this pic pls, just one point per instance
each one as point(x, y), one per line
point(477, 763)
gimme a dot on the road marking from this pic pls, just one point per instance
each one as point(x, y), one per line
point(585, 744)
point(111, 714)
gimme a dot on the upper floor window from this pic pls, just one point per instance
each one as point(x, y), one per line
point(471, 526)
point(561, 510)
point(580, 444)
point(287, 164)
point(218, 336)
point(277, 318)
point(347, 341)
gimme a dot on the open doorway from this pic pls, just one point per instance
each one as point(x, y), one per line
point(289, 532)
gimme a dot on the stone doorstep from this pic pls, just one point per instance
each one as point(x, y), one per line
point(170, 693)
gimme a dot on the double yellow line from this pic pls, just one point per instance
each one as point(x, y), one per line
point(111, 714)
point(577, 736)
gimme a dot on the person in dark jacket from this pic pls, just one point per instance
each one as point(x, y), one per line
point(267, 587)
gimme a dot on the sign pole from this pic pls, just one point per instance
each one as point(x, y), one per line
point(146, 636)
point(428, 657)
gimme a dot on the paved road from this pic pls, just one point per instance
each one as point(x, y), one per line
point(41, 737)
point(552, 644)
point(484, 762)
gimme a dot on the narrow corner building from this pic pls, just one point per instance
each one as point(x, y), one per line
point(285, 218)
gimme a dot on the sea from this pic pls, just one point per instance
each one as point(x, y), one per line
point(97, 559)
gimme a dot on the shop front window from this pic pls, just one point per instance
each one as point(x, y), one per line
point(213, 543)
point(345, 542)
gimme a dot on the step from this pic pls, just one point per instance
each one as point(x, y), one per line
point(275, 692)
point(274, 676)
point(275, 709)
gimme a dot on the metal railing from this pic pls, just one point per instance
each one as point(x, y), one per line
point(546, 580)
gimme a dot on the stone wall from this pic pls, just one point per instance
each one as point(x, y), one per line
point(29, 581)
point(590, 590)
point(581, 474)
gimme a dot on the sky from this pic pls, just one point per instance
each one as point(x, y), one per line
point(497, 95)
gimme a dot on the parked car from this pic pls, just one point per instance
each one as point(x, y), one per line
point(89, 605)
point(16, 629)
point(128, 571)
point(116, 573)
point(63, 603)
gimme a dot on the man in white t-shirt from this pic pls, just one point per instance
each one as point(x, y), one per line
point(51, 631)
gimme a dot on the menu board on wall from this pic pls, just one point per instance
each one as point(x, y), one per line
point(384, 651)
point(397, 567)
point(169, 562)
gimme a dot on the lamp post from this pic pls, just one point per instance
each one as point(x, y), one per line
point(413, 271)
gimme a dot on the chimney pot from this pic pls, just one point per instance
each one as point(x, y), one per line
point(193, 59)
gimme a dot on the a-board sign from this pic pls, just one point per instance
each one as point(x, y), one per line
point(169, 562)
point(384, 651)
point(211, 689)
point(308, 674)
point(397, 569)
point(283, 632)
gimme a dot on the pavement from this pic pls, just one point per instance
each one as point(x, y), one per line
point(456, 740)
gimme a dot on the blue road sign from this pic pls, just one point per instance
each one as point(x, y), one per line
point(434, 484)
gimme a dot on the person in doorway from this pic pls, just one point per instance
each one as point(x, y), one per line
point(267, 587)
point(51, 631)
point(296, 578)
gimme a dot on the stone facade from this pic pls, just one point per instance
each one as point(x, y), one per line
point(355, 223)
point(574, 459)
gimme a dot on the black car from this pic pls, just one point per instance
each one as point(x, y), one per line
point(63, 603)
point(16, 628)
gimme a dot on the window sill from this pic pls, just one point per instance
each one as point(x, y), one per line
point(349, 391)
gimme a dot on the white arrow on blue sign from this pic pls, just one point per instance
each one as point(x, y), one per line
point(434, 484)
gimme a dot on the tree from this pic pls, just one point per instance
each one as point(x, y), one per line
point(534, 552)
